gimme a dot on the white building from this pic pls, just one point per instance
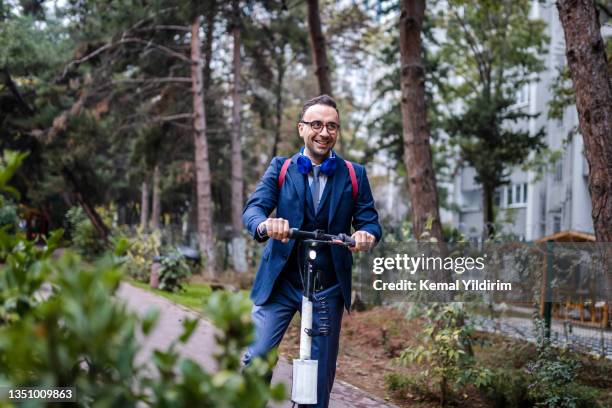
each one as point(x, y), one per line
point(530, 206)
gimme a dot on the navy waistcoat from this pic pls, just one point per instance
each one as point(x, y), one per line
point(312, 222)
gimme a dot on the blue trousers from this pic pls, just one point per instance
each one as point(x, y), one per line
point(272, 319)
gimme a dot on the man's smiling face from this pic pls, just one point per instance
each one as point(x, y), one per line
point(318, 143)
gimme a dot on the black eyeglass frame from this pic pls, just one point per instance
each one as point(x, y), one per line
point(322, 124)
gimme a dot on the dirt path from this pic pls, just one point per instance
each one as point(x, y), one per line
point(201, 346)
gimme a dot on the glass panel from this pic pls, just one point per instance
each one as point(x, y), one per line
point(517, 194)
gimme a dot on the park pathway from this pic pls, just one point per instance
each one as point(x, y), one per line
point(201, 346)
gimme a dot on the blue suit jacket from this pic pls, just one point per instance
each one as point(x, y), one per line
point(290, 202)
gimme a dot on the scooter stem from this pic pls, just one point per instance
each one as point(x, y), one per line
point(306, 327)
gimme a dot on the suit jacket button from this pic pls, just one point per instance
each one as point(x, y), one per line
point(285, 256)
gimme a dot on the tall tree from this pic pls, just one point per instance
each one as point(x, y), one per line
point(491, 51)
point(238, 241)
point(202, 166)
point(156, 201)
point(319, 48)
point(588, 67)
point(273, 44)
point(144, 206)
point(417, 150)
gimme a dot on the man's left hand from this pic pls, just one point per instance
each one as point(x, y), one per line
point(364, 241)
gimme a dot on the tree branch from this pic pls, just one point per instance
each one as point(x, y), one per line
point(602, 7)
point(153, 80)
point(471, 43)
point(166, 27)
point(61, 121)
point(173, 117)
point(126, 40)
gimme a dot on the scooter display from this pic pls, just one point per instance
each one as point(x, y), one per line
point(304, 388)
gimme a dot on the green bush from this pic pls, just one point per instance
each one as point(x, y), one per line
point(445, 348)
point(8, 214)
point(553, 384)
point(22, 267)
point(142, 249)
point(230, 386)
point(85, 238)
point(553, 377)
point(74, 333)
point(22, 272)
point(174, 270)
point(402, 384)
point(80, 337)
point(508, 388)
point(77, 337)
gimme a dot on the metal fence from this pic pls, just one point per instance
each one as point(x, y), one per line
point(563, 333)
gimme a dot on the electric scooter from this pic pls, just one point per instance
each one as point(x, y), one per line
point(304, 389)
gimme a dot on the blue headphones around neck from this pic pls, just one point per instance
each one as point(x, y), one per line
point(328, 167)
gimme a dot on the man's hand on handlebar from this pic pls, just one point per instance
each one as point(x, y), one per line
point(275, 228)
point(364, 241)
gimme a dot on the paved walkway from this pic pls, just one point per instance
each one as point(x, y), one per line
point(201, 346)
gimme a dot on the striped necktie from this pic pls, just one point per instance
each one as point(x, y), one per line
point(314, 186)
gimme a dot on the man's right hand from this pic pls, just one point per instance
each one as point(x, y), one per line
point(275, 228)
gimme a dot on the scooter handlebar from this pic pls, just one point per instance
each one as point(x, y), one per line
point(340, 239)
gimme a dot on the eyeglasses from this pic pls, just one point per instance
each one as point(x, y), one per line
point(317, 126)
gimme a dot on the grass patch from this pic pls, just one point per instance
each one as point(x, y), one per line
point(192, 296)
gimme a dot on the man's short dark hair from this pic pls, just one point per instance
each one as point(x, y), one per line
point(319, 100)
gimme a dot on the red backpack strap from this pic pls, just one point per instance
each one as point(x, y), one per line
point(353, 176)
point(283, 172)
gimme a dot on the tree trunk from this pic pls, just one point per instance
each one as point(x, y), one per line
point(238, 241)
point(209, 28)
point(144, 206)
point(317, 40)
point(88, 207)
point(488, 229)
point(202, 166)
point(280, 76)
point(21, 102)
point(237, 178)
point(588, 67)
point(156, 213)
point(417, 151)
point(443, 391)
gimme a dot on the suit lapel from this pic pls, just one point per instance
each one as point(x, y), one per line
point(297, 181)
point(338, 183)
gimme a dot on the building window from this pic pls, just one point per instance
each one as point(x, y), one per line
point(516, 194)
point(522, 95)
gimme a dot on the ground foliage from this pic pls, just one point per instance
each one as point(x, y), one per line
point(61, 327)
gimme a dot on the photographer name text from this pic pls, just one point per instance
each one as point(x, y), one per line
point(457, 285)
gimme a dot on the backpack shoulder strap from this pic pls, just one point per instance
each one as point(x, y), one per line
point(283, 172)
point(349, 165)
point(353, 176)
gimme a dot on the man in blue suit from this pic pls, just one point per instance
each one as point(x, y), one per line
point(315, 190)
